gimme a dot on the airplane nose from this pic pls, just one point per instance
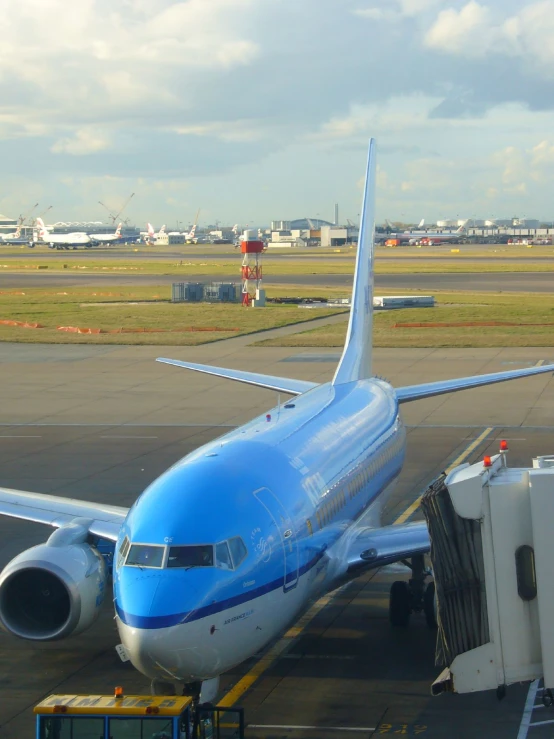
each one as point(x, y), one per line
point(158, 625)
point(175, 653)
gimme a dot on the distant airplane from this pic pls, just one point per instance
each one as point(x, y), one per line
point(62, 241)
point(190, 235)
point(11, 237)
point(15, 238)
point(151, 236)
point(222, 552)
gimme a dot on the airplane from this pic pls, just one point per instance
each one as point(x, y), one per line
point(15, 238)
point(115, 238)
point(424, 237)
point(61, 241)
point(10, 237)
point(151, 236)
point(230, 545)
point(190, 235)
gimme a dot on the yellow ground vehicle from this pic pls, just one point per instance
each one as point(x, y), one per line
point(134, 717)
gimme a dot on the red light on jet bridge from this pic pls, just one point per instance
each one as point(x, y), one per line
point(503, 445)
point(268, 417)
point(487, 461)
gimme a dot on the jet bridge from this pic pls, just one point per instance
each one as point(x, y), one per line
point(492, 548)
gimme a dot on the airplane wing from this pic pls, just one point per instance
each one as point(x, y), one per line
point(428, 389)
point(103, 520)
point(270, 382)
point(383, 546)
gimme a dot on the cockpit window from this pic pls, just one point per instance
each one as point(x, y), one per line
point(222, 556)
point(123, 551)
point(145, 555)
point(200, 555)
point(238, 550)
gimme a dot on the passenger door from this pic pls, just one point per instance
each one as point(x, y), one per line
point(285, 527)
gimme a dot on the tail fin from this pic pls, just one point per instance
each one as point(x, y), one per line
point(421, 223)
point(192, 231)
point(118, 231)
point(17, 232)
point(150, 229)
point(355, 363)
point(42, 230)
point(462, 228)
point(162, 230)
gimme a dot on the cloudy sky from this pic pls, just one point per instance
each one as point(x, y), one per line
point(255, 110)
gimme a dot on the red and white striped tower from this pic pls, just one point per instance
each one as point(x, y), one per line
point(251, 270)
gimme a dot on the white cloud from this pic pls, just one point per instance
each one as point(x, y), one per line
point(387, 11)
point(477, 30)
point(84, 141)
point(469, 31)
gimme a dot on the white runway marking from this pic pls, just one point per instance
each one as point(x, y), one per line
point(528, 710)
point(22, 436)
point(312, 728)
point(114, 436)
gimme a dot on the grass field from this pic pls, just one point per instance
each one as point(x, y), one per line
point(188, 267)
point(131, 309)
point(450, 308)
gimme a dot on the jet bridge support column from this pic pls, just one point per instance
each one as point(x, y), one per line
point(491, 547)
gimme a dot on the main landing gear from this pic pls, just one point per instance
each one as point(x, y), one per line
point(413, 596)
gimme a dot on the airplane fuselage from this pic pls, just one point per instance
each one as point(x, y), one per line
point(294, 485)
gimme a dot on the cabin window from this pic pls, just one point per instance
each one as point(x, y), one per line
point(145, 555)
point(238, 550)
point(197, 555)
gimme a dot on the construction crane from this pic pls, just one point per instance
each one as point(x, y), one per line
point(22, 218)
point(115, 216)
point(44, 212)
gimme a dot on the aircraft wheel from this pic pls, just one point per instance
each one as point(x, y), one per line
point(429, 606)
point(399, 604)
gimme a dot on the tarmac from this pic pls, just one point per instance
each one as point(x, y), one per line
point(517, 282)
point(100, 423)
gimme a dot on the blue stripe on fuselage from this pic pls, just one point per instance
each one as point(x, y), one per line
point(172, 619)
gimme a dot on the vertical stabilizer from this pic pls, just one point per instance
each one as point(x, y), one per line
point(355, 363)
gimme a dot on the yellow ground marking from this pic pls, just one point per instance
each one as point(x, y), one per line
point(539, 363)
point(403, 517)
point(273, 654)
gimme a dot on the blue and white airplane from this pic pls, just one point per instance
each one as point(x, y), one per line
point(231, 544)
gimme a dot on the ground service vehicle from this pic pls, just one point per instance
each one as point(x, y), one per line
point(134, 717)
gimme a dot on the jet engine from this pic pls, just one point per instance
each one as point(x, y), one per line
point(54, 589)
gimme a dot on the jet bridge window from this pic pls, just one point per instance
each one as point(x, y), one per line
point(197, 555)
point(145, 555)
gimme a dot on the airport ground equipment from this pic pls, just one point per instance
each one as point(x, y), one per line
point(211, 292)
point(122, 716)
point(251, 270)
point(492, 548)
point(382, 302)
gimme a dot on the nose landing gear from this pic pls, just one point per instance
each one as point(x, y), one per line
point(413, 596)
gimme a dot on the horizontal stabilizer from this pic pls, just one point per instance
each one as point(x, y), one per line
point(429, 389)
point(389, 544)
point(51, 510)
point(270, 382)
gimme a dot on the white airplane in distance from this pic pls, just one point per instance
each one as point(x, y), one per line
point(151, 235)
point(190, 237)
point(219, 555)
point(106, 238)
point(62, 241)
point(10, 237)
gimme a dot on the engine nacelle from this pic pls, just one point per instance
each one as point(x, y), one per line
point(54, 589)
